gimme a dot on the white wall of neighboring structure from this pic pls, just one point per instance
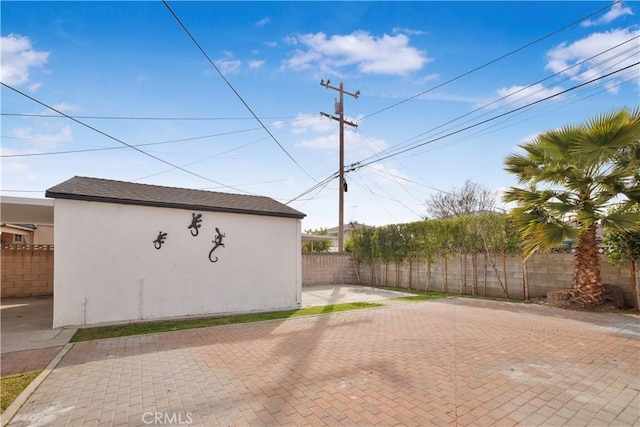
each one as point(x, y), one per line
point(108, 270)
point(43, 235)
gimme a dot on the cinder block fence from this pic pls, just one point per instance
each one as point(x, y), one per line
point(26, 270)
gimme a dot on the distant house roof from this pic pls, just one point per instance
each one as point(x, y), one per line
point(17, 228)
point(348, 226)
point(306, 237)
point(129, 193)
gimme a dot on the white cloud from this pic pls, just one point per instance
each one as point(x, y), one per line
point(566, 55)
point(17, 57)
point(264, 21)
point(371, 55)
point(8, 167)
point(229, 65)
point(62, 106)
point(64, 134)
point(387, 174)
point(33, 87)
point(426, 79)
point(617, 10)
point(256, 64)
point(312, 123)
point(322, 134)
point(400, 30)
point(526, 93)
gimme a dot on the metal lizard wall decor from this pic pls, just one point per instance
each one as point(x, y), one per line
point(160, 240)
point(217, 242)
point(195, 224)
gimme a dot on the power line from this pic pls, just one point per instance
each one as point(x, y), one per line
point(207, 158)
point(390, 197)
point(491, 62)
point(193, 39)
point(359, 165)
point(388, 172)
point(87, 150)
point(118, 140)
point(145, 118)
point(322, 183)
point(634, 47)
point(486, 131)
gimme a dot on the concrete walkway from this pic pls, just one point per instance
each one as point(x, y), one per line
point(339, 294)
point(445, 362)
point(26, 325)
point(27, 341)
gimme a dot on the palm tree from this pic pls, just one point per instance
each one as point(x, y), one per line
point(575, 175)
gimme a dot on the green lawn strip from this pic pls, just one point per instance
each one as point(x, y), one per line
point(423, 297)
point(418, 295)
point(11, 387)
point(102, 332)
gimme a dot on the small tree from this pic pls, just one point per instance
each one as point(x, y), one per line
point(470, 199)
point(624, 246)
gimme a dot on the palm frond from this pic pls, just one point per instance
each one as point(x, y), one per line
point(622, 221)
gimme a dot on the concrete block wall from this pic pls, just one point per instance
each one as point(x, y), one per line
point(26, 271)
point(544, 272)
point(328, 268)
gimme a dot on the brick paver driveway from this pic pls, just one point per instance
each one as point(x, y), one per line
point(448, 362)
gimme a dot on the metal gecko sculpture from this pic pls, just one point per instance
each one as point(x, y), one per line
point(159, 240)
point(195, 224)
point(217, 242)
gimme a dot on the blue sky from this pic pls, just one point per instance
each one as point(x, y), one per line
point(129, 70)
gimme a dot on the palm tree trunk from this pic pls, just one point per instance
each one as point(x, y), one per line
point(587, 286)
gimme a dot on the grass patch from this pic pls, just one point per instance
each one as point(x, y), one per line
point(425, 296)
point(418, 295)
point(102, 332)
point(12, 386)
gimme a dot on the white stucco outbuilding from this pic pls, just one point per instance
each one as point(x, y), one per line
point(130, 252)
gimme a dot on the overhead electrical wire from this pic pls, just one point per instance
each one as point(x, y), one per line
point(208, 157)
point(358, 165)
point(458, 77)
point(87, 150)
point(322, 184)
point(390, 197)
point(488, 130)
point(367, 161)
point(361, 164)
point(144, 118)
point(388, 172)
point(118, 140)
point(233, 89)
point(523, 89)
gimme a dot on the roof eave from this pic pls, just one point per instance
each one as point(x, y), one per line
point(86, 198)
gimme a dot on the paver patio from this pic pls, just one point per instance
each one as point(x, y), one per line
point(446, 362)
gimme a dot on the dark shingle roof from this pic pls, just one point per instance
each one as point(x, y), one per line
point(109, 191)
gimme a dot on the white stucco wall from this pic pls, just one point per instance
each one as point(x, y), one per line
point(108, 270)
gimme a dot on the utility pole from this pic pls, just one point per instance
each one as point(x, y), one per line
point(342, 187)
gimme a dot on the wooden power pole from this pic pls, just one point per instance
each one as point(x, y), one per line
point(342, 187)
